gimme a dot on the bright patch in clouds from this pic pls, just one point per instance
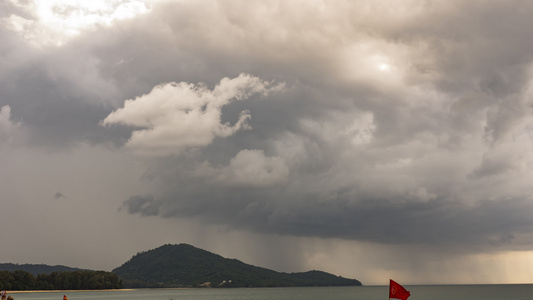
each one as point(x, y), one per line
point(384, 67)
point(54, 21)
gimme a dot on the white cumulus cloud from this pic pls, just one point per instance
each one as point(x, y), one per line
point(174, 117)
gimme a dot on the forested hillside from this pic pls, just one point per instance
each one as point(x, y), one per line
point(186, 266)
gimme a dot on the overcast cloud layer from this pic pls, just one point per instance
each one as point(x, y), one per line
point(370, 139)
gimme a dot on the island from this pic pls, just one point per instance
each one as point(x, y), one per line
point(184, 265)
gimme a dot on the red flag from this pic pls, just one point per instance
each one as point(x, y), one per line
point(397, 291)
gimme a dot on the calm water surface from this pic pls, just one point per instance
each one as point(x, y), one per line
point(455, 292)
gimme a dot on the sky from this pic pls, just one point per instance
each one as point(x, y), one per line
point(368, 139)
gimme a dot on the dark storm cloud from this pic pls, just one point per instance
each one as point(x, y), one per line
point(421, 159)
point(143, 204)
point(390, 221)
point(399, 123)
point(426, 160)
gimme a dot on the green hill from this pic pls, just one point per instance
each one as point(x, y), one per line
point(186, 266)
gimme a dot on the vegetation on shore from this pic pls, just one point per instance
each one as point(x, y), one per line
point(186, 266)
point(19, 280)
point(36, 269)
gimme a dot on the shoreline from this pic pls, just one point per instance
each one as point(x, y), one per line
point(65, 291)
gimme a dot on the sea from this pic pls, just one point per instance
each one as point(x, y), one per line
point(418, 292)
